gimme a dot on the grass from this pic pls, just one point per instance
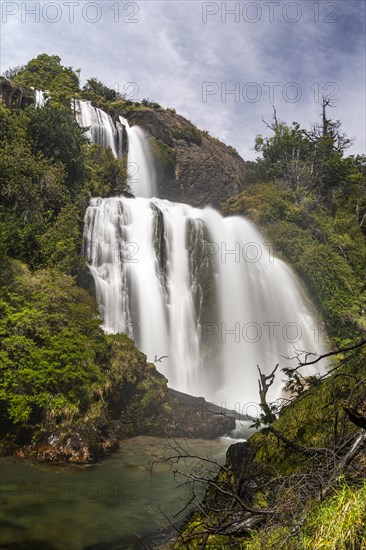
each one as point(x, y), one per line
point(339, 523)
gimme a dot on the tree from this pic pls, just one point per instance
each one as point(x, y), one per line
point(286, 154)
point(53, 348)
point(53, 132)
point(12, 72)
point(60, 244)
point(105, 175)
point(45, 72)
point(300, 158)
point(95, 87)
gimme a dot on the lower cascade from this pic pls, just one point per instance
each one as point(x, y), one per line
point(202, 295)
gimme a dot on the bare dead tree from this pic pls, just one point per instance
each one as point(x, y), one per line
point(306, 363)
point(264, 383)
point(203, 472)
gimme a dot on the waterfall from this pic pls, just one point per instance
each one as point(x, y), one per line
point(199, 288)
point(41, 100)
point(100, 126)
point(140, 164)
point(202, 295)
point(102, 130)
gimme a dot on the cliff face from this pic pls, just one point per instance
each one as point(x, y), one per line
point(13, 95)
point(193, 167)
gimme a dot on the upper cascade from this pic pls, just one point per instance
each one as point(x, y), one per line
point(100, 126)
point(193, 167)
point(140, 163)
point(41, 98)
point(102, 130)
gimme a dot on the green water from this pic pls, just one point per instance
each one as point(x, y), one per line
point(71, 507)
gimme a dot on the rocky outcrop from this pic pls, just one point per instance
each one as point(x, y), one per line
point(194, 417)
point(13, 95)
point(193, 167)
point(82, 444)
point(91, 441)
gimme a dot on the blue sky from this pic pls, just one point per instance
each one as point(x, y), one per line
point(190, 54)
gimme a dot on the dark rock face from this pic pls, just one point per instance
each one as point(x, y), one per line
point(250, 475)
point(193, 167)
point(357, 414)
point(13, 95)
point(246, 477)
point(193, 417)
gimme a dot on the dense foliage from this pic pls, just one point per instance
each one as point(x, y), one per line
point(310, 200)
point(45, 72)
point(52, 346)
point(48, 174)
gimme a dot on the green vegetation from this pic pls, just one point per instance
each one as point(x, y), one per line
point(164, 155)
point(337, 523)
point(56, 365)
point(45, 72)
point(310, 201)
point(142, 391)
point(95, 89)
point(149, 103)
point(52, 347)
point(58, 368)
point(54, 133)
point(301, 471)
point(190, 134)
point(48, 174)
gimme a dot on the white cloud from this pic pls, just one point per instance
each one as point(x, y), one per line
point(170, 52)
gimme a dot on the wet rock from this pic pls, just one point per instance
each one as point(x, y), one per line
point(194, 417)
point(184, 416)
point(83, 444)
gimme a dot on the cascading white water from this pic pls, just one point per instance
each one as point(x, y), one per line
point(102, 130)
point(140, 164)
point(41, 100)
point(186, 283)
point(142, 254)
point(100, 126)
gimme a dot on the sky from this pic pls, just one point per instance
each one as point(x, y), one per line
point(223, 65)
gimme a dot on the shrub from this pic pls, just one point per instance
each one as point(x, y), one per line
point(190, 134)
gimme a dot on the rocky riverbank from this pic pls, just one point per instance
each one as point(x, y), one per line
point(91, 441)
